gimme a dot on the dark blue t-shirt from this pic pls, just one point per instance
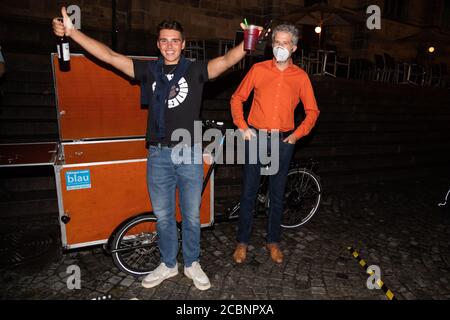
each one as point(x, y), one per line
point(185, 98)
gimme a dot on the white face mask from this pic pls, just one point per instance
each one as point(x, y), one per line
point(281, 54)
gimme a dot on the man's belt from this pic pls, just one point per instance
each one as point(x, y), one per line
point(281, 134)
point(163, 144)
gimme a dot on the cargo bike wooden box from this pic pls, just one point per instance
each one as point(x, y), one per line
point(101, 165)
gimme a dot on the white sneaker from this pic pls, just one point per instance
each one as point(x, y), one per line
point(196, 273)
point(161, 273)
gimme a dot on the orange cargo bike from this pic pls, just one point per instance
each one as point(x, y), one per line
point(101, 156)
point(100, 165)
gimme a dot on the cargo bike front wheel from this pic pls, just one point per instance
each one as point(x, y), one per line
point(134, 245)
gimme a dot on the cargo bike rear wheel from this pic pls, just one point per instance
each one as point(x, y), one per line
point(134, 246)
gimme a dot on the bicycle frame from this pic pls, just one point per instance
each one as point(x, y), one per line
point(213, 165)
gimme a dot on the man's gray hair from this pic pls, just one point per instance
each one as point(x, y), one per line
point(286, 28)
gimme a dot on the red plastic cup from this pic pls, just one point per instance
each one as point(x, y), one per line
point(251, 34)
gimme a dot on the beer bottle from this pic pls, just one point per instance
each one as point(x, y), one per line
point(62, 45)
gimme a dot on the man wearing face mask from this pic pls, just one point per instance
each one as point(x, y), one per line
point(278, 86)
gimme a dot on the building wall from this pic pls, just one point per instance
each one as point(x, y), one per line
point(202, 19)
point(25, 24)
point(395, 138)
point(419, 15)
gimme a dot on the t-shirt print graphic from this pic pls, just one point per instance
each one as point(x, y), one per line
point(178, 92)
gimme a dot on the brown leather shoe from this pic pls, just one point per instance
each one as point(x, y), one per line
point(275, 252)
point(240, 253)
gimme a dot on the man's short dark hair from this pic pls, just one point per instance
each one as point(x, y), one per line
point(172, 25)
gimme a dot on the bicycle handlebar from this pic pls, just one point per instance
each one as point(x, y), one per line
point(213, 124)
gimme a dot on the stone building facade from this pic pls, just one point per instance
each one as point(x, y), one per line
point(25, 23)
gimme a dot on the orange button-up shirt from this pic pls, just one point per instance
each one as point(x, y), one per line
point(276, 95)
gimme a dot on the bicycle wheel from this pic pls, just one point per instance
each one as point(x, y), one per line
point(301, 198)
point(135, 246)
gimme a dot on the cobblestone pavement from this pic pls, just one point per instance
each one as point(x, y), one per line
point(396, 226)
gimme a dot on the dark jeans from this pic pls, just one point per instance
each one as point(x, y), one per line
point(277, 183)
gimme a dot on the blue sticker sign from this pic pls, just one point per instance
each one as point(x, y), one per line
point(76, 180)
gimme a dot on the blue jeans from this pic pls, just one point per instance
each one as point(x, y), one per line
point(250, 185)
point(164, 176)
